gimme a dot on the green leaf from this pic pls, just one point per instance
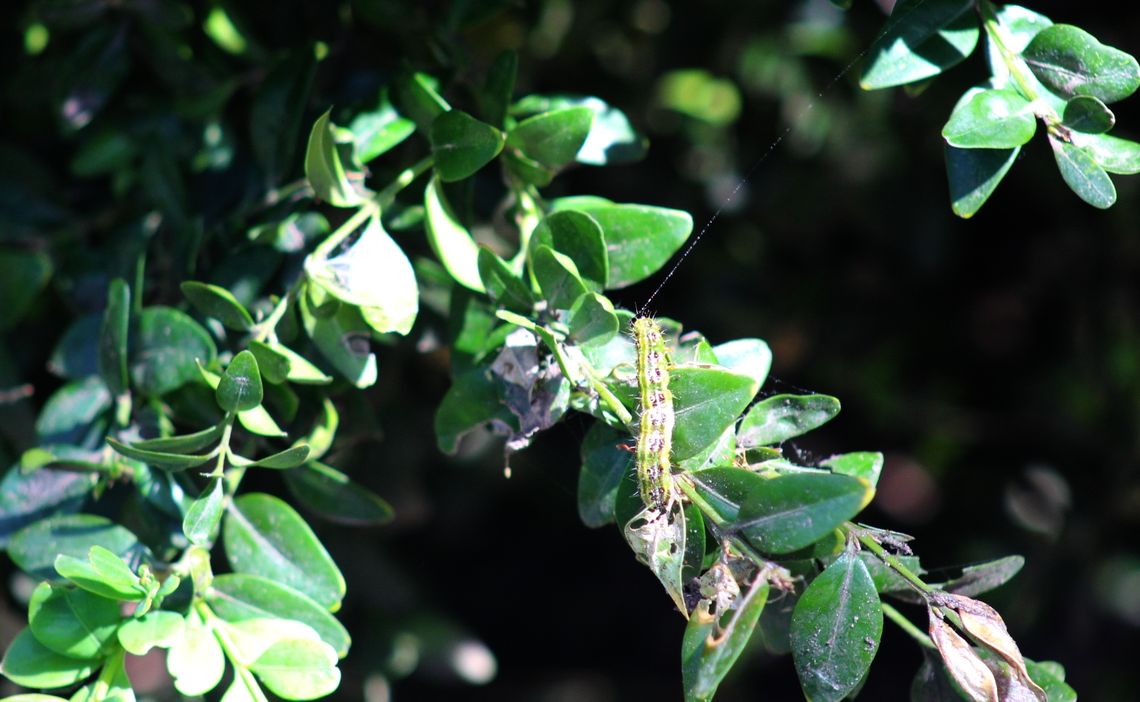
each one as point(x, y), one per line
point(237, 597)
point(321, 436)
point(289, 458)
point(298, 669)
point(201, 521)
point(279, 363)
point(373, 274)
point(1082, 174)
point(323, 167)
point(70, 413)
point(974, 174)
point(557, 278)
point(710, 648)
point(750, 357)
point(1051, 677)
point(1113, 154)
point(860, 464)
point(293, 233)
point(265, 536)
point(113, 337)
point(471, 401)
point(196, 661)
point(72, 622)
point(1089, 115)
point(23, 275)
point(416, 96)
point(592, 320)
point(450, 241)
point(991, 119)
point(160, 628)
point(922, 39)
point(462, 145)
point(502, 284)
point(167, 346)
point(782, 417)
point(576, 235)
point(76, 354)
point(29, 663)
point(498, 87)
point(30, 497)
point(336, 497)
point(528, 170)
point(706, 402)
point(218, 303)
point(793, 511)
point(278, 106)
point(240, 387)
point(604, 463)
point(640, 239)
point(983, 577)
point(344, 339)
point(836, 628)
point(160, 459)
point(1070, 62)
point(184, 443)
point(35, 548)
point(378, 130)
point(726, 490)
point(552, 138)
point(102, 573)
point(612, 138)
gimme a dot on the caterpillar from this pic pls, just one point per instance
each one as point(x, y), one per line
point(655, 435)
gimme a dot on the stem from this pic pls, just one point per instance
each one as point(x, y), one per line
point(874, 547)
point(606, 396)
point(103, 684)
point(1016, 66)
point(223, 448)
point(907, 625)
point(240, 671)
point(401, 181)
point(712, 515)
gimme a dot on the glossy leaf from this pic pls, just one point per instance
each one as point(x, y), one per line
point(72, 622)
point(974, 174)
point(113, 337)
point(158, 628)
point(592, 320)
point(706, 401)
point(1070, 62)
point(167, 347)
point(237, 597)
point(1082, 174)
point(219, 303)
point(35, 548)
point(29, 663)
point(502, 284)
point(991, 119)
point(279, 363)
point(557, 278)
point(71, 411)
point(240, 387)
point(196, 661)
point(30, 497)
point(1113, 154)
point(323, 166)
point(184, 443)
point(612, 138)
point(265, 536)
point(1087, 114)
point(470, 402)
point(922, 39)
point(576, 235)
point(640, 239)
point(835, 630)
point(205, 513)
point(160, 459)
point(344, 339)
point(298, 669)
point(378, 130)
point(782, 417)
point(552, 138)
point(103, 572)
point(498, 87)
point(860, 464)
point(1051, 677)
point(726, 490)
point(336, 497)
point(750, 357)
point(462, 145)
point(604, 463)
point(449, 239)
point(76, 354)
point(418, 99)
point(710, 648)
point(790, 512)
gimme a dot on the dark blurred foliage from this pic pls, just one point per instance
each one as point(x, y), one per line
point(995, 361)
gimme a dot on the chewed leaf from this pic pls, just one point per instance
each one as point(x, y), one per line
point(658, 540)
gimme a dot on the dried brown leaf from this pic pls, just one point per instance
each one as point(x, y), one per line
point(986, 626)
point(964, 665)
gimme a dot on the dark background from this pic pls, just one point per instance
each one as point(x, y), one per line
point(995, 361)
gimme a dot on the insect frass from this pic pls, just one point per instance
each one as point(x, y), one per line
point(655, 435)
